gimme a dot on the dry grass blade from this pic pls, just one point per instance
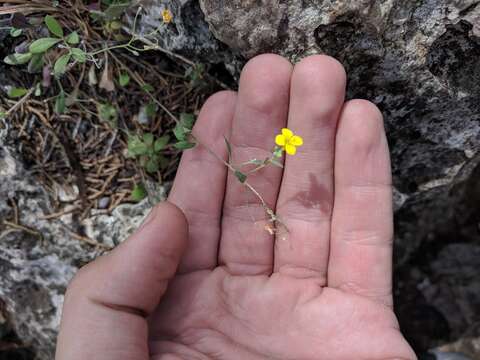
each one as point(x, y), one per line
point(25, 7)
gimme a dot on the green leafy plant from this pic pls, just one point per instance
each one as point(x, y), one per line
point(110, 16)
point(183, 130)
point(62, 50)
point(148, 151)
point(108, 113)
point(138, 193)
point(285, 142)
point(14, 32)
point(60, 102)
point(148, 88)
point(196, 75)
point(18, 58)
point(38, 49)
point(123, 79)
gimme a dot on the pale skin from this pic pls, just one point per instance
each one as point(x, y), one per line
point(203, 279)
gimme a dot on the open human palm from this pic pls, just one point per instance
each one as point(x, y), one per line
point(226, 286)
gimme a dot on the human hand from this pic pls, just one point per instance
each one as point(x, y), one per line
point(226, 288)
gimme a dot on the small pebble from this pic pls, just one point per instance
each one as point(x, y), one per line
point(104, 202)
point(142, 116)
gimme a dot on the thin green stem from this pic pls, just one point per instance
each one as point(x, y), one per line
point(122, 46)
point(260, 167)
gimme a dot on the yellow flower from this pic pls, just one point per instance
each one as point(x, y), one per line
point(288, 141)
point(167, 16)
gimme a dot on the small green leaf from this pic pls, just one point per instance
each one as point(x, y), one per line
point(148, 88)
point(3, 115)
point(36, 64)
point(152, 165)
point(60, 103)
point(179, 132)
point(54, 26)
point(151, 110)
point(61, 65)
point(115, 25)
point(124, 79)
point(240, 176)
point(108, 113)
point(277, 152)
point(96, 15)
point(38, 90)
point(14, 32)
point(196, 74)
point(160, 143)
point(73, 38)
point(254, 162)
point(115, 11)
point(79, 55)
point(17, 59)
point(184, 145)
point(148, 139)
point(42, 45)
point(15, 92)
point(187, 120)
point(136, 146)
point(139, 193)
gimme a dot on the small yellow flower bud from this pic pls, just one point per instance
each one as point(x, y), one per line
point(167, 16)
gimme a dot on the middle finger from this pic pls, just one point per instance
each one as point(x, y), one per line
point(246, 248)
point(305, 202)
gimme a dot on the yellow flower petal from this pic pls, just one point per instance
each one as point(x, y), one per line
point(290, 149)
point(296, 140)
point(287, 133)
point(280, 140)
point(167, 16)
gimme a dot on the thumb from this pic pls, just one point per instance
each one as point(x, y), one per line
point(106, 305)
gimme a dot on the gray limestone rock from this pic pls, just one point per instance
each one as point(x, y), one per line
point(188, 34)
point(469, 346)
point(37, 263)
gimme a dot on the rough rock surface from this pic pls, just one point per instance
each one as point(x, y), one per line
point(188, 34)
point(35, 270)
point(418, 60)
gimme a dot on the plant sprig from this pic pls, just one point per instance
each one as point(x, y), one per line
point(145, 148)
point(35, 56)
point(148, 150)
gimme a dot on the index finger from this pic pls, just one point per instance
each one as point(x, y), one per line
point(199, 186)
